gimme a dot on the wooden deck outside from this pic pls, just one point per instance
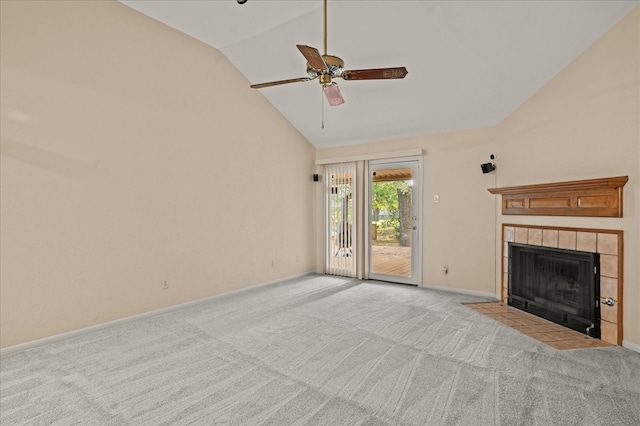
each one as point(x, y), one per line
point(391, 260)
point(385, 260)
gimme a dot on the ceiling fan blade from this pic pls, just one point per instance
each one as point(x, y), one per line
point(375, 74)
point(332, 92)
point(313, 57)
point(277, 83)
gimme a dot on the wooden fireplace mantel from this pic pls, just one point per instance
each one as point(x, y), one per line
point(591, 197)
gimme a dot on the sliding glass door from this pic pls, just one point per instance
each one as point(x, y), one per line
point(394, 220)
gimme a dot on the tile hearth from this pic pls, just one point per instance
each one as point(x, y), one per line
point(537, 328)
point(607, 242)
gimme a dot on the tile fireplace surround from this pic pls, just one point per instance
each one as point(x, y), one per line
point(607, 242)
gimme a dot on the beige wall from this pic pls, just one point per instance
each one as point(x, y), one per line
point(132, 153)
point(585, 123)
point(459, 230)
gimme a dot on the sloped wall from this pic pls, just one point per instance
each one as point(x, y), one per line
point(585, 123)
point(132, 153)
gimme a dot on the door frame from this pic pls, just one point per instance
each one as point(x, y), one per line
point(417, 208)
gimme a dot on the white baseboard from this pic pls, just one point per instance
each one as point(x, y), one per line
point(74, 333)
point(630, 345)
point(461, 291)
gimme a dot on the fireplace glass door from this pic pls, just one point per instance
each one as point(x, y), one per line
point(559, 285)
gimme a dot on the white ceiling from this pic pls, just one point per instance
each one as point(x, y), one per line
point(470, 63)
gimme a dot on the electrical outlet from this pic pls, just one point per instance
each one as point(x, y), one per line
point(273, 263)
point(436, 198)
point(445, 269)
point(164, 284)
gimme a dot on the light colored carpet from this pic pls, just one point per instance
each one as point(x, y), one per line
point(319, 351)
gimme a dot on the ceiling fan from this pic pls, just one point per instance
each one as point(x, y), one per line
point(327, 67)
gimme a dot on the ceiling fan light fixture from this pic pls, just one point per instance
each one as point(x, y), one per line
point(332, 92)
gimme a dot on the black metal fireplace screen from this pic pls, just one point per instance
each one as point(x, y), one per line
point(562, 286)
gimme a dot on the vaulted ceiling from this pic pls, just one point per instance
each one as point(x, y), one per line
point(470, 63)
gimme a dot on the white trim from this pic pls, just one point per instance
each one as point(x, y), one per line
point(630, 345)
point(366, 241)
point(79, 332)
point(461, 291)
point(380, 156)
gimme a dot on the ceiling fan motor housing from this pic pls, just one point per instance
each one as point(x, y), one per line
point(335, 67)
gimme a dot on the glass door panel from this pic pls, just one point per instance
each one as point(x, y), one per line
point(394, 208)
point(341, 219)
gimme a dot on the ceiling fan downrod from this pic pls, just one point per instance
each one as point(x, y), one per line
point(325, 27)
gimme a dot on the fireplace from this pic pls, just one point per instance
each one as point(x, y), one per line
point(560, 285)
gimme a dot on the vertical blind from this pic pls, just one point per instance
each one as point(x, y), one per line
point(340, 219)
